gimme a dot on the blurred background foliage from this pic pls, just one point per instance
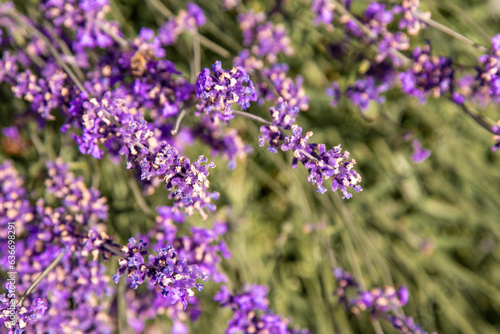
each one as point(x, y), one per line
point(434, 226)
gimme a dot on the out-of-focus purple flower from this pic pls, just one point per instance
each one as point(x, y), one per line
point(265, 39)
point(496, 137)
point(382, 303)
point(195, 14)
point(420, 154)
point(252, 313)
point(288, 92)
point(248, 25)
point(429, 75)
point(406, 325)
point(14, 203)
point(15, 317)
point(334, 93)
point(409, 20)
point(186, 20)
point(323, 11)
point(44, 94)
point(226, 142)
point(230, 4)
point(218, 91)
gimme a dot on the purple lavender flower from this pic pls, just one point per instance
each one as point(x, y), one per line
point(409, 19)
point(252, 313)
point(226, 142)
point(218, 91)
point(323, 11)
point(382, 303)
point(14, 203)
point(429, 75)
point(289, 92)
point(172, 274)
point(79, 279)
point(487, 85)
point(334, 93)
point(189, 20)
point(15, 317)
point(271, 40)
point(496, 137)
point(195, 14)
point(320, 163)
point(248, 24)
point(420, 154)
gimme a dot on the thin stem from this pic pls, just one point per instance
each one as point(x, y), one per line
point(66, 51)
point(251, 116)
point(161, 8)
point(308, 155)
point(141, 201)
point(214, 47)
point(483, 122)
point(47, 270)
point(422, 17)
point(178, 122)
point(38, 144)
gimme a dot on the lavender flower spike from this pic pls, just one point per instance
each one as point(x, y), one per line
point(219, 91)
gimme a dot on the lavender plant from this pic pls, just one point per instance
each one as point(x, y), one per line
point(136, 193)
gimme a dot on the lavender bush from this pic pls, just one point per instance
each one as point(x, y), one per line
point(323, 166)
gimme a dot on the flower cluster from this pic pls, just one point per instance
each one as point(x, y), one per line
point(58, 235)
point(218, 91)
point(252, 313)
point(265, 39)
point(167, 270)
point(186, 20)
point(320, 163)
point(379, 302)
point(16, 317)
point(428, 75)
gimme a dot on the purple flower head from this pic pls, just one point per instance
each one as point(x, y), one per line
point(252, 313)
point(14, 317)
point(320, 163)
point(496, 137)
point(323, 11)
point(408, 19)
point(218, 91)
point(334, 93)
point(420, 154)
point(195, 13)
point(248, 24)
point(172, 274)
point(289, 92)
point(383, 303)
point(429, 75)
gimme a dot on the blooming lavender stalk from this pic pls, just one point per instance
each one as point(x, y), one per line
point(320, 163)
point(58, 240)
point(252, 313)
point(383, 303)
point(173, 275)
point(15, 317)
point(218, 91)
